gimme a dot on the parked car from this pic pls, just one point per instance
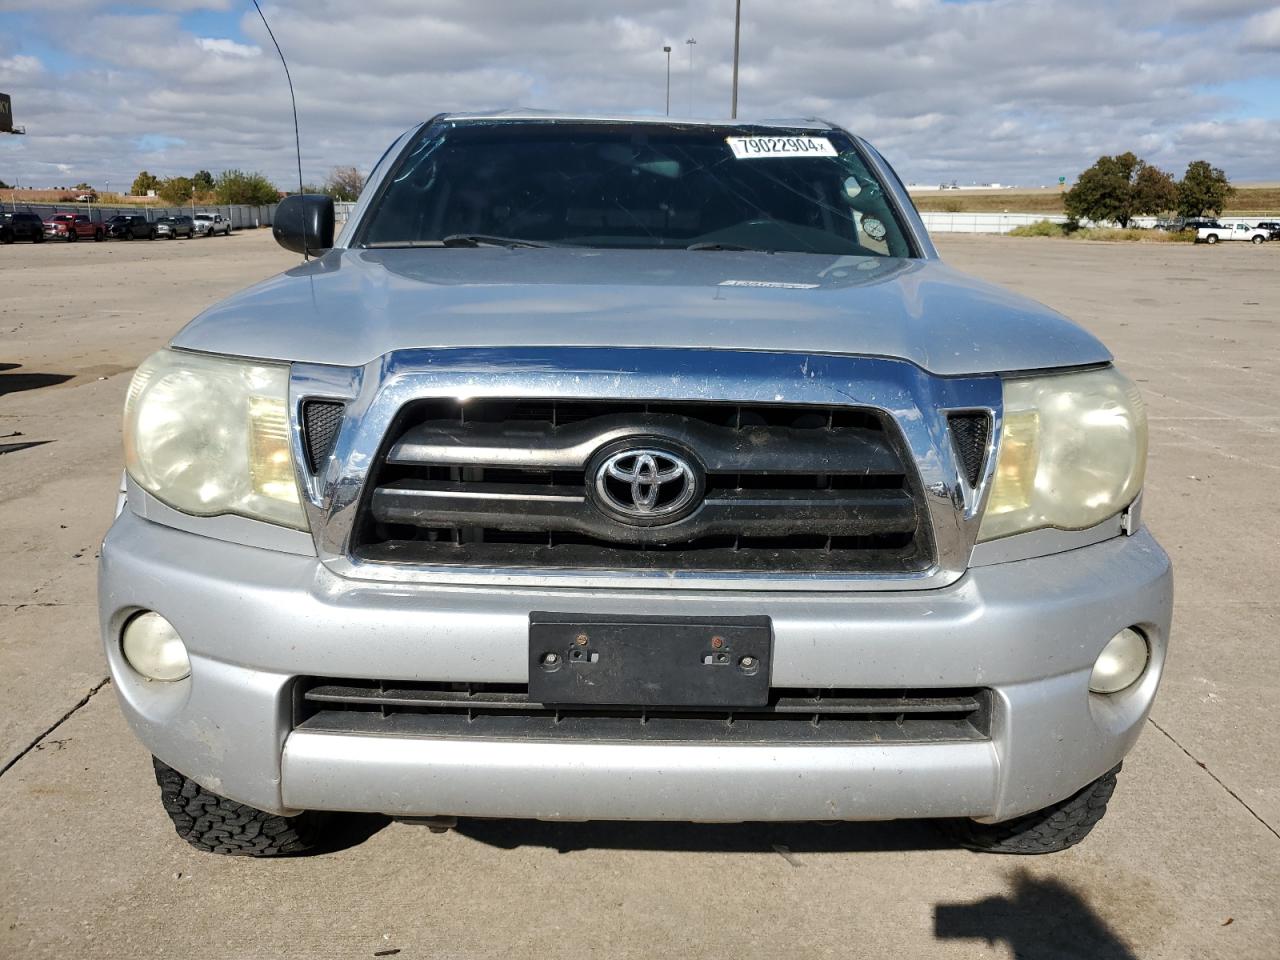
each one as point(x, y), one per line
point(1195, 223)
point(530, 496)
point(21, 226)
point(1232, 230)
point(1272, 227)
point(72, 227)
point(130, 226)
point(212, 224)
point(1173, 225)
point(87, 198)
point(169, 227)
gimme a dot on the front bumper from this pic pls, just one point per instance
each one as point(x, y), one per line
point(255, 619)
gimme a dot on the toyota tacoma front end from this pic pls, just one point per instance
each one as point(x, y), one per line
point(632, 469)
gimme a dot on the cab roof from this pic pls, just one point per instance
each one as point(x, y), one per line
point(527, 113)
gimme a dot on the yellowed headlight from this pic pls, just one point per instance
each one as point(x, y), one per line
point(1072, 452)
point(211, 435)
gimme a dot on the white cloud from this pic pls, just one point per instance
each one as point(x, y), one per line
point(227, 47)
point(1002, 89)
point(1263, 32)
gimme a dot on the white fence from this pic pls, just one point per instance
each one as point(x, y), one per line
point(1000, 222)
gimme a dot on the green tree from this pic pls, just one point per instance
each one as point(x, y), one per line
point(1154, 191)
point(237, 186)
point(1204, 189)
point(176, 191)
point(85, 187)
point(1120, 188)
point(143, 182)
point(203, 181)
point(5, 186)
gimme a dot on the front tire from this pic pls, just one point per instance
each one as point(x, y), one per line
point(1054, 828)
point(1257, 239)
point(72, 236)
point(215, 824)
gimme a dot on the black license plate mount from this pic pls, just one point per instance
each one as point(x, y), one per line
point(641, 661)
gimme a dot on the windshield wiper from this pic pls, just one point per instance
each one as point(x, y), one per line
point(486, 240)
point(716, 245)
point(456, 240)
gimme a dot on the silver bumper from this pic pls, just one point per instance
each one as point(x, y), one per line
point(254, 619)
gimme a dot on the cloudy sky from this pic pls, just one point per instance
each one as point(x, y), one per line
point(1018, 91)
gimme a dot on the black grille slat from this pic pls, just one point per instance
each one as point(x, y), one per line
point(495, 711)
point(499, 482)
point(321, 420)
point(971, 436)
point(766, 512)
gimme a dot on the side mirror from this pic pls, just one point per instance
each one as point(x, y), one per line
point(304, 223)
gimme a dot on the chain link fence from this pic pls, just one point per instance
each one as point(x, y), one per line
point(242, 216)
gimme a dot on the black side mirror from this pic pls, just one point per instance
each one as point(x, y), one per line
point(304, 223)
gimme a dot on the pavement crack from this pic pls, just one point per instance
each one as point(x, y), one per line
point(1203, 766)
point(35, 744)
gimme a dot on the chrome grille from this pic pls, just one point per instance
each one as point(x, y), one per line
point(503, 483)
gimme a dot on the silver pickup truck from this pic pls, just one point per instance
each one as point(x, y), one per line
point(610, 468)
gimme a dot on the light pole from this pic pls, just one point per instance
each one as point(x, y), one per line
point(737, 33)
point(667, 51)
point(690, 43)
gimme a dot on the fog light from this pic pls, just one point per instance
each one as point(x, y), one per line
point(1120, 663)
point(153, 648)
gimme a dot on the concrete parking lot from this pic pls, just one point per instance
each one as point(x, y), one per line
point(1185, 865)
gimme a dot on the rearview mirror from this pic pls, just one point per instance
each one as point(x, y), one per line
point(304, 223)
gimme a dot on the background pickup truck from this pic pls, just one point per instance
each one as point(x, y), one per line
point(1232, 230)
point(70, 227)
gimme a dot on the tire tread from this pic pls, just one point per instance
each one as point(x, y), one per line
point(1054, 828)
point(216, 824)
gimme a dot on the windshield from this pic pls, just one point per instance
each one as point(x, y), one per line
point(634, 185)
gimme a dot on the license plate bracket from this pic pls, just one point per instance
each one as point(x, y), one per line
point(642, 661)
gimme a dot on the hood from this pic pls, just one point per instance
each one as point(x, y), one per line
point(352, 306)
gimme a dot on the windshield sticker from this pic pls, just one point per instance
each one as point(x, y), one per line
point(873, 228)
point(773, 284)
point(749, 148)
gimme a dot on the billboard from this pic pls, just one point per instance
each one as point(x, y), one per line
point(6, 114)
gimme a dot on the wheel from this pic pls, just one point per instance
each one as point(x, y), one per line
point(1211, 238)
point(1054, 828)
point(39, 238)
point(72, 236)
point(97, 236)
point(1257, 239)
point(215, 824)
point(8, 238)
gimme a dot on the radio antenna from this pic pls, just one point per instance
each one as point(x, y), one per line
point(297, 137)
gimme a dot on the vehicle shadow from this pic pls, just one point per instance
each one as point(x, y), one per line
point(18, 382)
point(789, 840)
point(1041, 919)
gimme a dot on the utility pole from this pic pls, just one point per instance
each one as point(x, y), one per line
point(690, 43)
point(737, 33)
point(667, 51)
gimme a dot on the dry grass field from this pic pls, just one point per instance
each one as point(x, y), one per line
point(1250, 200)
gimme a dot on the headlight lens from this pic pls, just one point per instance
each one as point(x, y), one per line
point(1073, 452)
point(209, 435)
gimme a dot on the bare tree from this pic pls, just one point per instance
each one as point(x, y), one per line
point(344, 183)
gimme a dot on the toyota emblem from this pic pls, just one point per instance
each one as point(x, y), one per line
point(646, 486)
